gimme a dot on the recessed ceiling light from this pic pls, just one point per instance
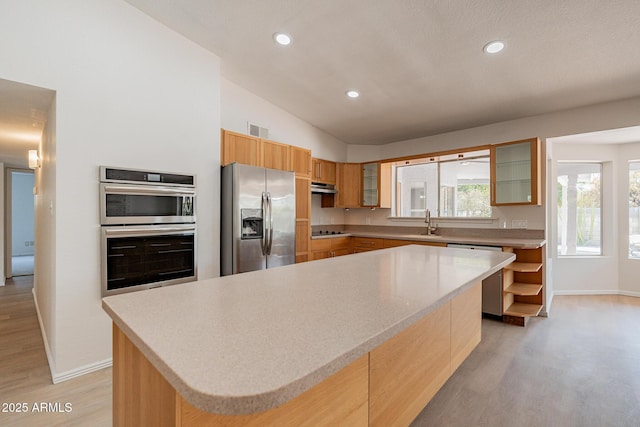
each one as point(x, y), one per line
point(282, 39)
point(352, 93)
point(494, 46)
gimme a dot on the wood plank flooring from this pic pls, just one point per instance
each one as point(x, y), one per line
point(578, 367)
point(25, 376)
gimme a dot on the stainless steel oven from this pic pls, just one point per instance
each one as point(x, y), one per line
point(147, 256)
point(148, 229)
point(143, 197)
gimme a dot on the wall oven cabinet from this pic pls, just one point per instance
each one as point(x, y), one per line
point(147, 256)
point(148, 229)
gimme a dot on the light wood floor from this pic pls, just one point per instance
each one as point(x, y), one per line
point(579, 367)
point(24, 372)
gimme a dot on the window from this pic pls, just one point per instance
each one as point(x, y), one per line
point(634, 209)
point(455, 185)
point(579, 209)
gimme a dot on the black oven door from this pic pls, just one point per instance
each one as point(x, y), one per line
point(146, 204)
point(147, 256)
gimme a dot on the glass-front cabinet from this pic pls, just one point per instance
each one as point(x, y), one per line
point(371, 184)
point(515, 173)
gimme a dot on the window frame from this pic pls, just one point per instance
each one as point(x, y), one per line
point(439, 159)
point(602, 252)
point(629, 235)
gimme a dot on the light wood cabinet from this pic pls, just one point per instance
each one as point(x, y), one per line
point(364, 244)
point(515, 173)
point(250, 150)
point(523, 285)
point(331, 247)
point(323, 171)
point(300, 161)
point(348, 185)
point(240, 148)
point(303, 218)
point(370, 185)
point(276, 155)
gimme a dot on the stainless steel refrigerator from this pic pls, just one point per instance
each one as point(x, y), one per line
point(258, 212)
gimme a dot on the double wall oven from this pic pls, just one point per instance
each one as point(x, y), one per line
point(148, 224)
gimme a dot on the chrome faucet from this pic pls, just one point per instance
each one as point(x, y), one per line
point(427, 220)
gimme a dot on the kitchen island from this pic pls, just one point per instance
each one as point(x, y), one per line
point(361, 340)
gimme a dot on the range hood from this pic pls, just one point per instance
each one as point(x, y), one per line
point(319, 188)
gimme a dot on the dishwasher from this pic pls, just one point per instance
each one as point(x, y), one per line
point(491, 286)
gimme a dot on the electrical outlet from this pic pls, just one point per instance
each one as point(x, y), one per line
point(518, 223)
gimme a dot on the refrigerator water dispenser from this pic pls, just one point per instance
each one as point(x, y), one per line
point(251, 223)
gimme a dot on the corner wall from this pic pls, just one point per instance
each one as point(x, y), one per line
point(131, 93)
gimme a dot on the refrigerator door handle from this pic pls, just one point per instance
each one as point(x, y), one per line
point(270, 223)
point(265, 240)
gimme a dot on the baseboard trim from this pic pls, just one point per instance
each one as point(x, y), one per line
point(600, 292)
point(56, 377)
point(86, 369)
point(47, 350)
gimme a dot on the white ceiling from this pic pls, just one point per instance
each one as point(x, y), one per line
point(418, 64)
point(23, 114)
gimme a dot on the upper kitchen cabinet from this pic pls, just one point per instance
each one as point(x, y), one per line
point(276, 155)
point(348, 185)
point(301, 161)
point(515, 173)
point(371, 185)
point(323, 171)
point(240, 148)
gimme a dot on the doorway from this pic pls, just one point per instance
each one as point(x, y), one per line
point(20, 223)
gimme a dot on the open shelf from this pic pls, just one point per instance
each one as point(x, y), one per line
point(524, 267)
point(519, 309)
point(527, 289)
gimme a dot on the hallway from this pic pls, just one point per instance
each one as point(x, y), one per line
point(25, 375)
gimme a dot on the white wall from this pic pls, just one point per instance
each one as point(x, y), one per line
point(588, 275)
point(240, 106)
point(44, 269)
point(22, 213)
point(580, 120)
point(130, 93)
point(629, 268)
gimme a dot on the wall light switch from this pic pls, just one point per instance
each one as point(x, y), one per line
point(518, 223)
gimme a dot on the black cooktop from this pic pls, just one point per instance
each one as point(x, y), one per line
point(326, 233)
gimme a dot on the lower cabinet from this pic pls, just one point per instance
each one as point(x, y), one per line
point(389, 386)
point(331, 247)
point(364, 244)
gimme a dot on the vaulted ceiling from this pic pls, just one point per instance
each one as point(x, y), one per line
point(418, 64)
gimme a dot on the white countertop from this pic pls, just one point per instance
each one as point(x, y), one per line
point(250, 342)
point(487, 241)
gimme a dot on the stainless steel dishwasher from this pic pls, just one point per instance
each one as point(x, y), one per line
point(491, 286)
